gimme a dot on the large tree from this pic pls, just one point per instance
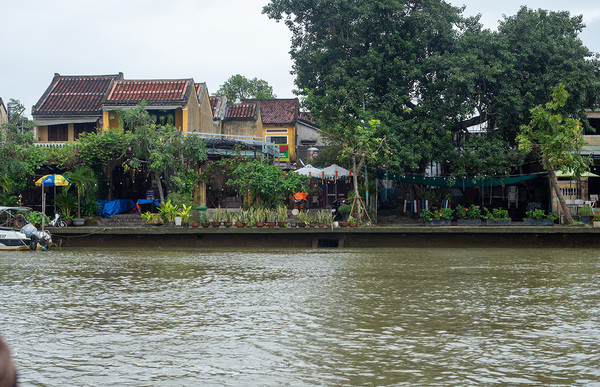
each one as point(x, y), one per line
point(240, 87)
point(161, 150)
point(429, 74)
point(556, 140)
point(16, 146)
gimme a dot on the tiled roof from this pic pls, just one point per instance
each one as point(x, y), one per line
point(154, 92)
point(218, 105)
point(74, 95)
point(241, 111)
point(200, 88)
point(278, 111)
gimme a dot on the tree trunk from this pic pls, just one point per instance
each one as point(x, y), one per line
point(561, 199)
point(161, 194)
point(356, 194)
point(78, 205)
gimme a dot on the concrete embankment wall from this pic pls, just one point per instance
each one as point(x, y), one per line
point(361, 237)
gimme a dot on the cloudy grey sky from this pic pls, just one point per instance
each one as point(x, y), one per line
point(208, 40)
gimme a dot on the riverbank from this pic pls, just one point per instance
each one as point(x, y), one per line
point(411, 234)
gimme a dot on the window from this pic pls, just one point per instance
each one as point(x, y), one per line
point(58, 132)
point(277, 139)
point(86, 127)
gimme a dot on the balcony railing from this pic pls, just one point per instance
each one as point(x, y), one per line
point(49, 144)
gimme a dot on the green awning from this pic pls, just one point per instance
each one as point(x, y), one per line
point(460, 183)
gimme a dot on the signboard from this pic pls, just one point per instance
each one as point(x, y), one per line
point(284, 152)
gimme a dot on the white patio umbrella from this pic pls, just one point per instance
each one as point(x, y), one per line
point(336, 171)
point(309, 170)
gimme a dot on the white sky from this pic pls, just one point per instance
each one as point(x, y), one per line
point(208, 40)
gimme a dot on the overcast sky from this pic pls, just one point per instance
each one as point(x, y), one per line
point(207, 40)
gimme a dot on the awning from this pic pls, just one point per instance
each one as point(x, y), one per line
point(460, 183)
point(61, 121)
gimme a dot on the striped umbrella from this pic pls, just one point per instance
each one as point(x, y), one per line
point(50, 181)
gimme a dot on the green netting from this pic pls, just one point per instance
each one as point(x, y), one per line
point(460, 183)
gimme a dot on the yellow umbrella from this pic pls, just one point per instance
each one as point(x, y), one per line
point(50, 181)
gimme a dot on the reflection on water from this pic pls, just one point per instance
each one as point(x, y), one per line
point(330, 317)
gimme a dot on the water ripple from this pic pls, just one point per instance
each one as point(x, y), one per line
point(332, 317)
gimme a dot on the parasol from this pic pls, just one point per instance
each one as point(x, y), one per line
point(50, 181)
point(309, 170)
point(336, 171)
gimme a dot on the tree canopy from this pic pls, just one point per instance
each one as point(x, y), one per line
point(240, 87)
point(429, 74)
point(16, 146)
point(556, 139)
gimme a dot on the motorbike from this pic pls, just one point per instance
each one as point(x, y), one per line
point(337, 216)
point(57, 221)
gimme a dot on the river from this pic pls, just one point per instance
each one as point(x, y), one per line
point(444, 317)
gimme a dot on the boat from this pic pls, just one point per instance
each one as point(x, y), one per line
point(18, 234)
point(27, 238)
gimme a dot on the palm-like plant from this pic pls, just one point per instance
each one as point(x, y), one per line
point(83, 178)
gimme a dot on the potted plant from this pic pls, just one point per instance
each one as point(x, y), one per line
point(84, 180)
point(239, 219)
point(271, 218)
point(168, 212)
point(322, 217)
point(249, 218)
point(260, 217)
point(498, 217)
point(217, 217)
point(302, 218)
point(585, 213)
point(282, 216)
point(442, 217)
point(596, 219)
point(344, 210)
point(539, 218)
point(184, 213)
point(468, 216)
point(148, 217)
point(352, 221)
point(204, 220)
point(227, 217)
point(66, 202)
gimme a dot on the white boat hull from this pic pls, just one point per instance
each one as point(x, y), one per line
point(15, 239)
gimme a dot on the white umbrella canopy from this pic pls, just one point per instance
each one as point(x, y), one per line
point(570, 173)
point(335, 170)
point(309, 170)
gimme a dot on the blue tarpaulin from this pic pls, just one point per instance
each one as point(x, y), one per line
point(145, 201)
point(113, 207)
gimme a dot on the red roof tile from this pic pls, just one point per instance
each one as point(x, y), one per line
point(217, 104)
point(278, 111)
point(241, 111)
point(74, 95)
point(153, 92)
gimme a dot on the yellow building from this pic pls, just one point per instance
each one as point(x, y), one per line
point(172, 102)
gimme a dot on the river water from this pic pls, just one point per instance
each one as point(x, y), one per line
point(439, 317)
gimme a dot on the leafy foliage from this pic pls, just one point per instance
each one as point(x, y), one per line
point(160, 150)
point(240, 87)
point(267, 184)
point(429, 74)
point(16, 143)
point(556, 140)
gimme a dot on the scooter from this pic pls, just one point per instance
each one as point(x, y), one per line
point(334, 210)
point(57, 221)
